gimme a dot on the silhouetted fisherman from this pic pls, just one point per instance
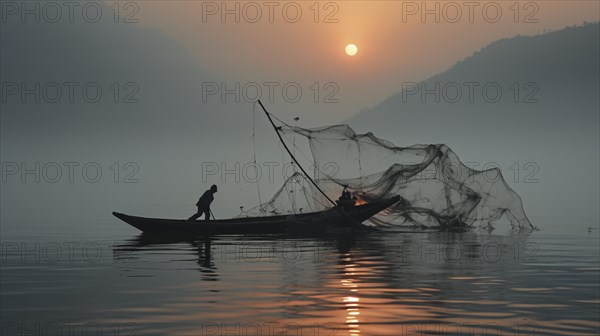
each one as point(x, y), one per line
point(204, 202)
point(346, 200)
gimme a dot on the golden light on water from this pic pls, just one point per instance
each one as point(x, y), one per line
point(351, 302)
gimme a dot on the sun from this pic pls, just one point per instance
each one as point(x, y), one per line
point(351, 49)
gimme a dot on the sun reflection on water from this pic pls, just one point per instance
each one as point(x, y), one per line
point(351, 302)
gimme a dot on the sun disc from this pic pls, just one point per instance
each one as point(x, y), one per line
point(351, 49)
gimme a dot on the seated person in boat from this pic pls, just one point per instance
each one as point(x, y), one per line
point(346, 201)
point(204, 202)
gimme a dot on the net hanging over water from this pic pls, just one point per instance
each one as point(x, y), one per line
point(436, 188)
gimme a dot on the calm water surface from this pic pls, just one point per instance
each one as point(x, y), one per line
point(107, 279)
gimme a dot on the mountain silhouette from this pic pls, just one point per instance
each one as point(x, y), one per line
point(545, 80)
point(546, 118)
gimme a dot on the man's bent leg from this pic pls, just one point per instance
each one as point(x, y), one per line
point(196, 215)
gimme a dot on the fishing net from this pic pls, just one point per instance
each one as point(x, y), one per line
point(436, 188)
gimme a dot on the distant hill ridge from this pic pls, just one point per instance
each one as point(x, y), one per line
point(562, 66)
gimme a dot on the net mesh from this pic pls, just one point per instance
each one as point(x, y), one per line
point(436, 188)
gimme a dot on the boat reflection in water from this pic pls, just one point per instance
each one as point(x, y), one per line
point(376, 283)
point(133, 250)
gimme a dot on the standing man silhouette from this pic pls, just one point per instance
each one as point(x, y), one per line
point(203, 204)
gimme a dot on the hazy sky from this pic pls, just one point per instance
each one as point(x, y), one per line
point(396, 42)
point(396, 45)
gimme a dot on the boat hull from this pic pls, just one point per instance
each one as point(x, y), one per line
point(336, 217)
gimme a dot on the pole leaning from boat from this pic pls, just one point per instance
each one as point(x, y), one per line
point(338, 209)
point(292, 155)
